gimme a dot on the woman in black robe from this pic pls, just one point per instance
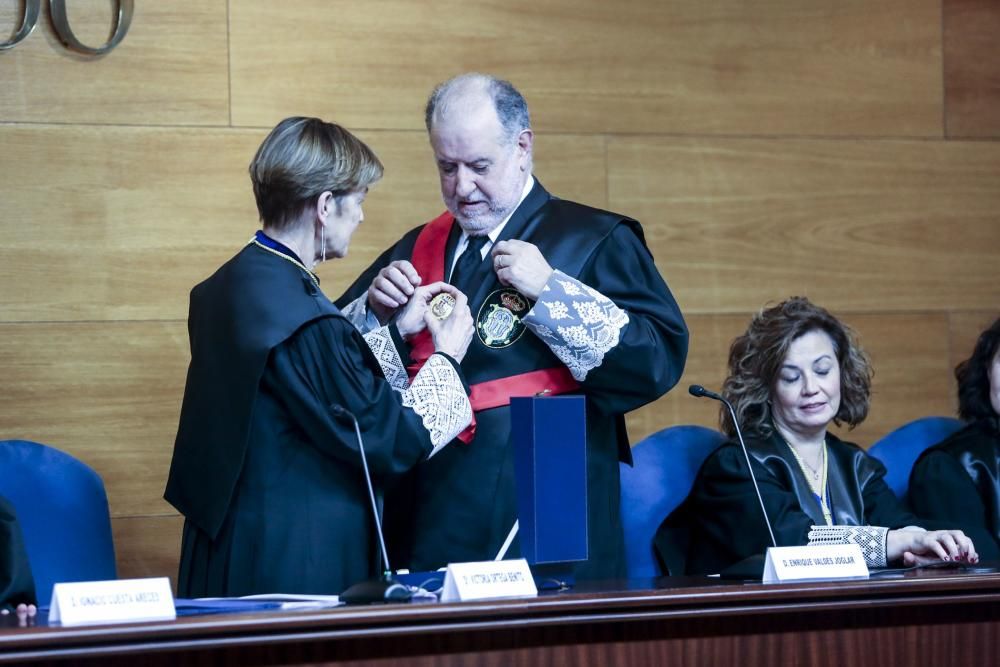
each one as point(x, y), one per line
point(795, 370)
point(958, 480)
point(266, 466)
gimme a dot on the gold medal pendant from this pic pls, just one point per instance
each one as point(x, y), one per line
point(442, 305)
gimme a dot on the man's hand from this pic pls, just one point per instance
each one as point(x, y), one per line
point(520, 265)
point(392, 288)
point(411, 319)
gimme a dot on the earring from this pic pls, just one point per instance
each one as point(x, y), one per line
point(322, 240)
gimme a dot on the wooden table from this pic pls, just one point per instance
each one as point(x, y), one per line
point(930, 617)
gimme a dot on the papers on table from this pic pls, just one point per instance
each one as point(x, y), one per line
point(262, 602)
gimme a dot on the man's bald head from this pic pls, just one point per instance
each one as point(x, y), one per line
point(466, 92)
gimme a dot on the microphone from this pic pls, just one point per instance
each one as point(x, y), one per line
point(383, 588)
point(698, 391)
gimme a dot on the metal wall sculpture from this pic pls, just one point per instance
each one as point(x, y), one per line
point(60, 23)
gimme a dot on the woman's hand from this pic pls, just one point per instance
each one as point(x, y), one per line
point(453, 334)
point(392, 288)
point(411, 318)
point(917, 546)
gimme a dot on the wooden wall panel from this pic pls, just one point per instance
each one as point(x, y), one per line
point(783, 67)
point(118, 222)
point(766, 147)
point(972, 68)
point(965, 328)
point(109, 393)
point(171, 68)
point(908, 352)
point(148, 546)
point(856, 225)
point(139, 215)
point(912, 377)
point(708, 354)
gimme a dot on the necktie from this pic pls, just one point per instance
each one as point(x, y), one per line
point(468, 262)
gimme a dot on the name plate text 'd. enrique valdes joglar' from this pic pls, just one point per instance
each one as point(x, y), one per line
point(498, 323)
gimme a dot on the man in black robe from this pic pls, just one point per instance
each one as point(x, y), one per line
point(567, 300)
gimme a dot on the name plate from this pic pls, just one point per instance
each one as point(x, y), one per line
point(488, 580)
point(827, 561)
point(117, 601)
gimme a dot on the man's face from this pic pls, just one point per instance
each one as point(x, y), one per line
point(482, 173)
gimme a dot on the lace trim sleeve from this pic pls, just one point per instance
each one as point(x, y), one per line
point(358, 314)
point(380, 343)
point(579, 324)
point(871, 539)
point(438, 396)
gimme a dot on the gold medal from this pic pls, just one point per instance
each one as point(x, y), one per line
point(442, 305)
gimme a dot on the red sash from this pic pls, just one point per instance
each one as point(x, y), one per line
point(428, 260)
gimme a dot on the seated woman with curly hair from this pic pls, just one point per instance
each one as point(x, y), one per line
point(957, 480)
point(795, 370)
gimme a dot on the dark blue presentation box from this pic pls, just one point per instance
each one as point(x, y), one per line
point(549, 436)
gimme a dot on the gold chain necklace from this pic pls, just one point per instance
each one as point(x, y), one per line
point(283, 256)
point(816, 479)
point(809, 471)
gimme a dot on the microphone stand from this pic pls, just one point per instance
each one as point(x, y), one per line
point(698, 391)
point(383, 588)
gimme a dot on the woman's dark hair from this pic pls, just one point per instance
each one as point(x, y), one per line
point(973, 378)
point(755, 359)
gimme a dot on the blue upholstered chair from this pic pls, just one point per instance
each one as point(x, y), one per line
point(665, 466)
point(899, 450)
point(63, 513)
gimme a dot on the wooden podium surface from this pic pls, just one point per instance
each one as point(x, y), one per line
point(924, 617)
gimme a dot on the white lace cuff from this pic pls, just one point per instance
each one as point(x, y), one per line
point(358, 314)
point(578, 323)
point(871, 539)
point(438, 396)
point(380, 343)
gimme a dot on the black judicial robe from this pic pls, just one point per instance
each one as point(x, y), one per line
point(724, 516)
point(16, 583)
point(958, 480)
point(270, 483)
point(461, 504)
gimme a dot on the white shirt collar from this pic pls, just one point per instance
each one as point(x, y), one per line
point(494, 234)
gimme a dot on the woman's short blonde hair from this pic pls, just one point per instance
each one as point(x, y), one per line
point(300, 159)
point(755, 359)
